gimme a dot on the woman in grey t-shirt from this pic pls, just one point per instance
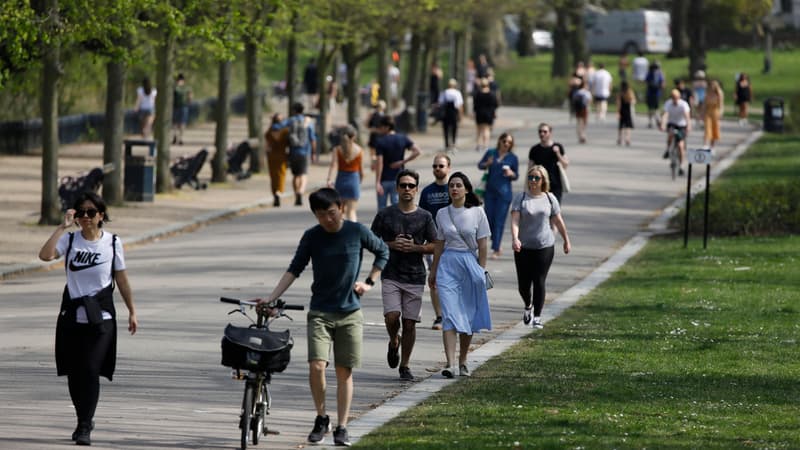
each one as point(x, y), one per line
point(534, 213)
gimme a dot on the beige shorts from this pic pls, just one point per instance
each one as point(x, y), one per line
point(343, 331)
point(404, 298)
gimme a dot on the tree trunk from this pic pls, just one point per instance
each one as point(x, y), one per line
point(50, 213)
point(525, 45)
point(253, 103)
point(697, 35)
point(412, 85)
point(383, 71)
point(114, 131)
point(162, 125)
point(292, 81)
point(324, 59)
point(351, 90)
point(219, 167)
point(678, 28)
point(577, 39)
point(561, 46)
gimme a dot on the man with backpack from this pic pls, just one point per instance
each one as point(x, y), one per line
point(302, 143)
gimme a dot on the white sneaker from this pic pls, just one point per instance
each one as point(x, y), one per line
point(537, 323)
point(526, 317)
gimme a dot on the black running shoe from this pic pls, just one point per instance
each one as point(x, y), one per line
point(405, 374)
point(322, 426)
point(393, 356)
point(340, 436)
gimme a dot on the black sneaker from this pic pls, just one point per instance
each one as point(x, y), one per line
point(340, 436)
point(680, 172)
point(83, 435)
point(437, 323)
point(393, 356)
point(322, 426)
point(665, 155)
point(298, 200)
point(405, 374)
point(78, 430)
point(526, 317)
point(277, 201)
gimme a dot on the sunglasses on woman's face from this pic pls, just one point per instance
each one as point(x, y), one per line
point(534, 178)
point(91, 213)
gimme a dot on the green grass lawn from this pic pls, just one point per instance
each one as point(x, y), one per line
point(529, 78)
point(681, 348)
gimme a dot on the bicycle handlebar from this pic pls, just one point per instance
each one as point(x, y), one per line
point(277, 304)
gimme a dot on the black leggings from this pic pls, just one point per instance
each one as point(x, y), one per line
point(84, 378)
point(450, 126)
point(532, 267)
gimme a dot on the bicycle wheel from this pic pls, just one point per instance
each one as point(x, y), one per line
point(259, 418)
point(673, 159)
point(247, 410)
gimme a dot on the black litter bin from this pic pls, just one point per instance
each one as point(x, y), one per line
point(422, 112)
point(140, 170)
point(773, 115)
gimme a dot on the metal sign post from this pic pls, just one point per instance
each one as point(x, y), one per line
point(698, 156)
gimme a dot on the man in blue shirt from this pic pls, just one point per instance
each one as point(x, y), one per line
point(334, 247)
point(433, 198)
point(391, 150)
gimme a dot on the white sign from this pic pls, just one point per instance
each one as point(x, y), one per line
point(700, 156)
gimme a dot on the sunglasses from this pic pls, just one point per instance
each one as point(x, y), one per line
point(543, 131)
point(534, 178)
point(91, 212)
point(439, 166)
point(406, 185)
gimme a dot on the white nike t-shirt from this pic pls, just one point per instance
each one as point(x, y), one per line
point(89, 266)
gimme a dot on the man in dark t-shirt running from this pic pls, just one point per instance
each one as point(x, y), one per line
point(548, 154)
point(409, 232)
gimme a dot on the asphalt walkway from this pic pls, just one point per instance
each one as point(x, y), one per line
point(621, 196)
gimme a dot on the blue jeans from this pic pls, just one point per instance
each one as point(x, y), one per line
point(389, 191)
point(496, 209)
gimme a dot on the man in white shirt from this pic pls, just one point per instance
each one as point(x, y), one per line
point(640, 65)
point(452, 103)
point(601, 90)
point(677, 116)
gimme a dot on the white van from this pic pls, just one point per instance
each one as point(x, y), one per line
point(628, 31)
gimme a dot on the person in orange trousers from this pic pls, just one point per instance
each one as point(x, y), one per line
point(277, 148)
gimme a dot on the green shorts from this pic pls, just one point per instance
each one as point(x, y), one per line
point(342, 330)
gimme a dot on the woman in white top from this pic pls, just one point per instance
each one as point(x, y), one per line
point(86, 330)
point(458, 274)
point(534, 213)
point(146, 106)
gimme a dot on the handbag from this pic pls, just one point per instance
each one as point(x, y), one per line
point(481, 189)
point(487, 276)
point(562, 173)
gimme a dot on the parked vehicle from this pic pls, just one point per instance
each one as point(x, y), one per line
point(628, 31)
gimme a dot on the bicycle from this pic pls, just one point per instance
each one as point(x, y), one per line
point(673, 152)
point(254, 353)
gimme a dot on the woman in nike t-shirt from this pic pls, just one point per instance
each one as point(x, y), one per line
point(86, 330)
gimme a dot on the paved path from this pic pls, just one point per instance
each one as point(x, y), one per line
point(170, 391)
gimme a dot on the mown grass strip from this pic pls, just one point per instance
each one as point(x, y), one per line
point(681, 348)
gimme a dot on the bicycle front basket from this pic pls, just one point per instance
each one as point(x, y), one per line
point(256, 349)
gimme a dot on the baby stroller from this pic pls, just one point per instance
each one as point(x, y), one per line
point(185, 169)
point(71, 187)
point(236, 158)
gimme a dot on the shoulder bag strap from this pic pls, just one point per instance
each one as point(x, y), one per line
point(69, 247)
point(450, 211)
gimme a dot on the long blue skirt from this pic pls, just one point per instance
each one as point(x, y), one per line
point(348, 184)
point(461, 283)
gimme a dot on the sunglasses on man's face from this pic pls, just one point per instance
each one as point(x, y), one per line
point(406, 185)
point(439, 166)
point(91, 213)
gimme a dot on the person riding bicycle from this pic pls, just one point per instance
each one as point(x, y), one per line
point(677, 116)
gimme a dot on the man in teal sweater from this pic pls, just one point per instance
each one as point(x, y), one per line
point(335, 247)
